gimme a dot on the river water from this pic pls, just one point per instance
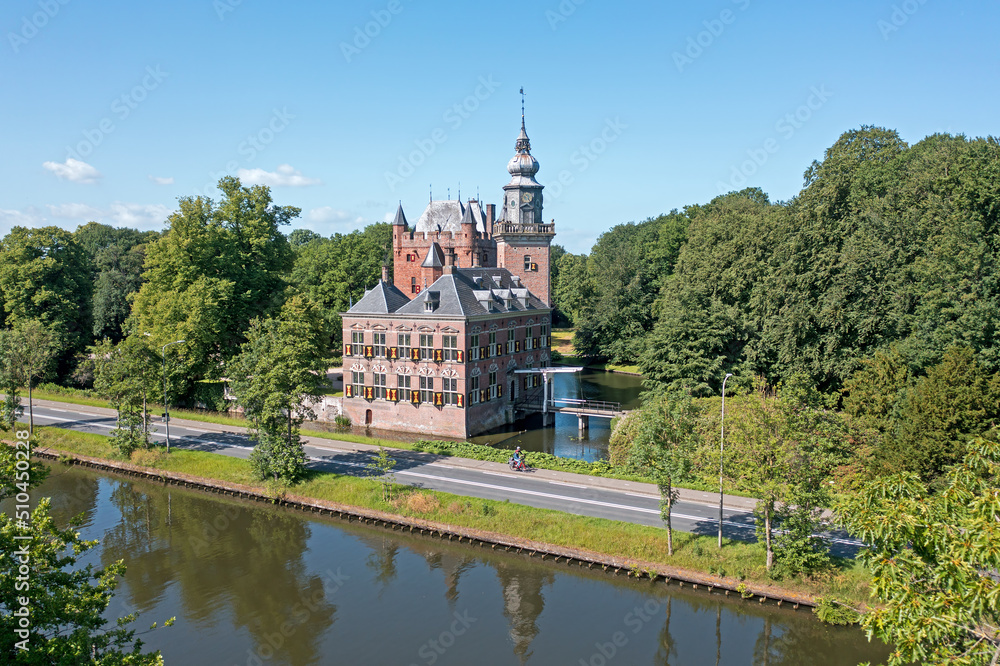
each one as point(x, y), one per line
point(252, 584)
point(565, 438)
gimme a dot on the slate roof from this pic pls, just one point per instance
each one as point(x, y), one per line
point(469, 292)
point(383, 298)
point(400, 218)
point(447, 216)
point(434, 258)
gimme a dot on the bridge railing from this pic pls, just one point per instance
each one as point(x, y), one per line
point(586, 405)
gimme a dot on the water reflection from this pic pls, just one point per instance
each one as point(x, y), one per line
point(254, 584)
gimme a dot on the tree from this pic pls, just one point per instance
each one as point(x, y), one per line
point(782, 448)
point(215, 269)
point(280, 369)
point(44, 276)
point(126, 374)
point(664, 440)
point(31, 348)
point(335, 272)
point(935, 561)
point(10, 409)
point(380, 468)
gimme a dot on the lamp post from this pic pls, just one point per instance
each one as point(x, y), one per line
point(722, 440)
point(166, 404)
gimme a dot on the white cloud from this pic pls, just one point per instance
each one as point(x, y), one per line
point(138, 215)
point(74, 211)
point(330, 215)
point(285, 175)
point(162, 181)
point(16, 218)
point(74, 170)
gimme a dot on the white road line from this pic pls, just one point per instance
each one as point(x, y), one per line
point(506, 476)
point(568, 485)
point(53, 409)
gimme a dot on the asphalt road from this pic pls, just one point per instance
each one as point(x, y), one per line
point(572, 493)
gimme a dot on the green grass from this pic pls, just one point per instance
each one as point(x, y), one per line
point(737, 560)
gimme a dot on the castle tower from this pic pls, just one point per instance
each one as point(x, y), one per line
point(523, 239)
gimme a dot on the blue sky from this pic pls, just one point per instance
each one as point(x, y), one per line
point(113, 110)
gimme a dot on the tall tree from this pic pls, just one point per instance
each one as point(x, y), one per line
point(664, 441)
point(934, 560)
point(216, 268)
point(10, 384)
point(126, 374)
point(32, 346)
point(335, 272)
point(279, 372)
point(45, 276)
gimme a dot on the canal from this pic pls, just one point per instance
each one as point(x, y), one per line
point(252, 584)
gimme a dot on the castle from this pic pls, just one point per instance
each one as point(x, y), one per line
point(437, 350)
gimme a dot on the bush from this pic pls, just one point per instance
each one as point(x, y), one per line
point(342, 421)
point(832, 611)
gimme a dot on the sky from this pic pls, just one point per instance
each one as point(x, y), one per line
point(112, 111)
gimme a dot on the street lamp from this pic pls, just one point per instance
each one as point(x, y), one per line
point(166, 404)
point(722, 440)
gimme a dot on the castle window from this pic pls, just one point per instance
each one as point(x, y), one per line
point(450, 388)
point(474, 390)
point(403, 383)
point(450, 344)
point(474, 347)
point(414, 287)
point(380, 392)
point(403, 342)
point(426, 347)
point(357, 383)
point(510, 339)
point(493, 384)
point(494, 348)
point(378, 339)
point(527, 338)
point(427, 389)
point(358, 342)
point(544, 341)
point(527, 262)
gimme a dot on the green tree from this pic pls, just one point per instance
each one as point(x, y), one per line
point(31, 348)
point(126, 374)
point(216, 268)
point(664, 441)
point(934, 560)
point(116, 258)
point(11, 408)
point(380, 468)
point(45, 277)
point(335, 272)
point(782, 447)
point(280, 370)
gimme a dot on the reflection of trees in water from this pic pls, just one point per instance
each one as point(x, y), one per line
point(451, 563)
point(382, 560)
point(667, 647)
point(224, 557)
point(523, 603)
point(72, 493)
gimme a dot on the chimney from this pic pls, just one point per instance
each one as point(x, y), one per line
point(475, 258)
point(491, 213)
point(450, 261)
point(385, 272)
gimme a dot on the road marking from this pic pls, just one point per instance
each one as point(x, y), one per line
point(506, 476)
point(568, 485)
point(53, 409)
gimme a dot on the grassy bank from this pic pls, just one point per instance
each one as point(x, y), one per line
point(737, 560)
point(444, 448)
